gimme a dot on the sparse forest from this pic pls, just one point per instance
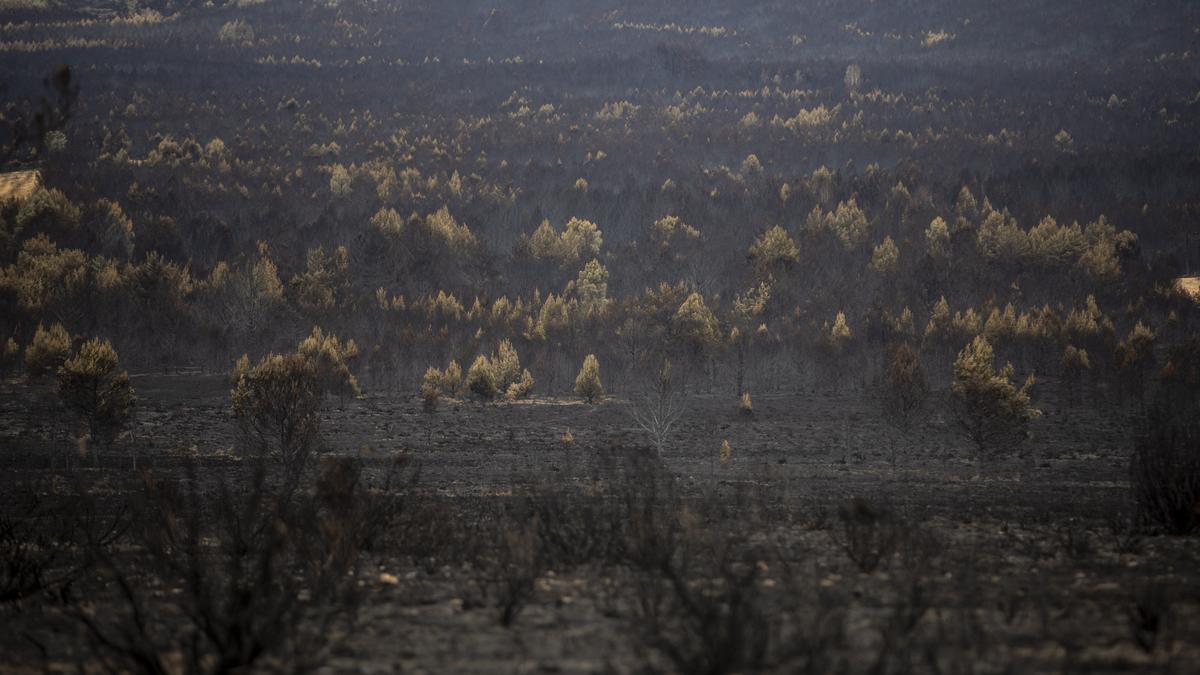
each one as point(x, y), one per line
point(828, 337)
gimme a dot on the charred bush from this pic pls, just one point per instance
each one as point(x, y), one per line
point(1165, 473)
point(46, 545)
point(867, 534)
point(1149, 611)
point(1165, 469)
point(259, 574)
point(1166, 478)
point(518, 564)
point(578, 529)
point(704, 610)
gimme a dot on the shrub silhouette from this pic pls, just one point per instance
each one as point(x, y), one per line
point(1165, 467)
point(1165, 473)
point(10, 356)
point(1075, 363)
point(868, 534)
point(263, 570)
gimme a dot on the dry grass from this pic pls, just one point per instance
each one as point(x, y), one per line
point(1190, 286)
point(19, 185)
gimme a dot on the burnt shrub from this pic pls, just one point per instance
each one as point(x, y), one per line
point(575, 529)
point(46, 544)
point(867, 534)
point(517, 565)
point(703, 607)
point(1165, 468)
point(257, 575)
point(1165, 474)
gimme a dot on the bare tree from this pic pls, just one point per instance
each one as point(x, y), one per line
point(853, 78)
point(659, 407)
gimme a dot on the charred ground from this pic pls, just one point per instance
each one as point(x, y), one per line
point(600, 337)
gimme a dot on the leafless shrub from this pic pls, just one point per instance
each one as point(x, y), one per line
point(652, 507)
point(659, 407)
point(696, 601)
point(811, 642)
point(902, 648)
point(1074, 539)
point(261, 572)
point(46, 545)
point(576, 529)
point(1165, 473)
point(706, 618)
point(519, 563)
point(1148, 613)
point(867, 534)
point(1012, 602)
point(711, 602)
point(433, 533)
point(1123, 531)
point(917, 547)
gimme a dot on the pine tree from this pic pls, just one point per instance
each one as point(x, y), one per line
point(592, 287)
point(990, 411)
point(773, 251)
point(1135, 358)
point(48, 350)
point(521, 388)
point(452, 379)
point(886, 257)
point(278, 404)
point(332, 358)
point(1075, 362)
point(838, 335)
point(481, 379)
point(431, 388)
point(587, 382)
point(696, 327)
point(93, 387)
point(940, 322)
point(506, 366)
point(904, 388)
point(746, 404)
point(937, 238)
point(580, 238)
